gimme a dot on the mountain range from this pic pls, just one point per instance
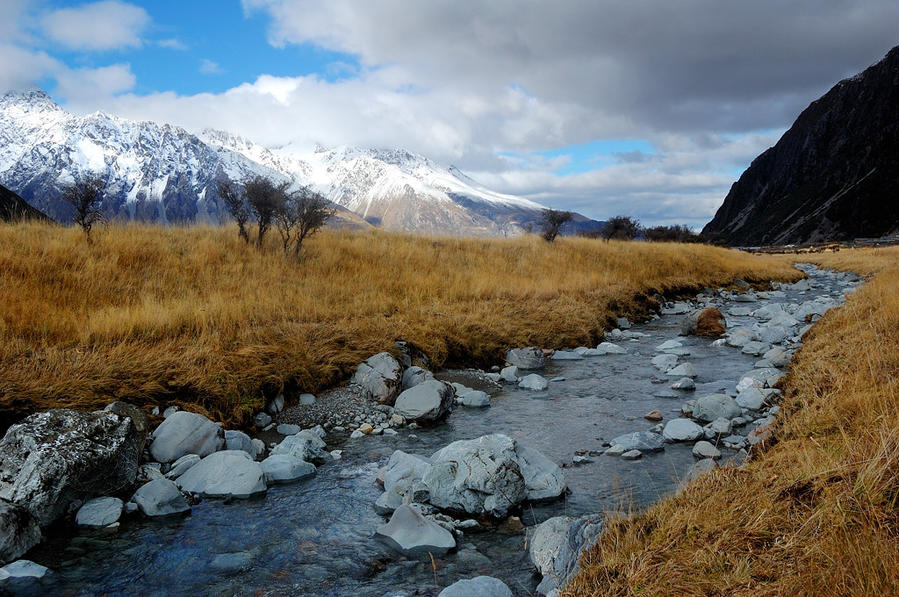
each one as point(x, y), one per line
point(162, 173)
point(832, 176)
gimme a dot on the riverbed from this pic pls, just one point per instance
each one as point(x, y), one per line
point(315, 537)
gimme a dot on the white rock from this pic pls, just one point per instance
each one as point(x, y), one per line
point(428, 401)
point(474, 399)
point(283, 468)
point(682, 430)
point(509, 374)
point(526, 358)
point(605, 348)
point(381, 376)
point(186, 433)
point(99, 512)
point(238, 440)
point(413, 534)
point(225, 474)
point(712, 406)
point(645, 441)
point(664, 362)
point(533, 382)
point(683, 370)
point(667, 344)
point(479, 586)
point(160, 498)
point(703, 449)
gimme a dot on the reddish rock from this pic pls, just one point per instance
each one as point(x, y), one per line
point(653, 415)
point(710, 323)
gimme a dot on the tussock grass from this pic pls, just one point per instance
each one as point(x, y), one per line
point(815, 514)
point(191, 316)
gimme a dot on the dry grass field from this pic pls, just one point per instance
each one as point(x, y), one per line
point(191, 316)
point(815, 514)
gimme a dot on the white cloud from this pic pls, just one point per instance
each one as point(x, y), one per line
point(98, 26)
point(172, 44)
point(21, 68)
point(86, 85)
point(209, 67)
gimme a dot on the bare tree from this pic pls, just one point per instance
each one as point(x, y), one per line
point(86, 195)
point(552, 223)
point(237, 207)
point(265, 199)
point(312, 211)
point(621, 228)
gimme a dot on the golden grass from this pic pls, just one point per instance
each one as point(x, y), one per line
point(816, 514)
point(192, 316)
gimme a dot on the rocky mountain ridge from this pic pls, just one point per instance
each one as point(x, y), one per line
point(832, 176)
point(161, 173)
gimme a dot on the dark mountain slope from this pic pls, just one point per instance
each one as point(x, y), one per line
point(833, 176)
point(13, 208)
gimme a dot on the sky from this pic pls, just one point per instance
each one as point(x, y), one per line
point(646, 108)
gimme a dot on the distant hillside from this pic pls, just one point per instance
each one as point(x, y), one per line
point(13, 208)
point(833, 176)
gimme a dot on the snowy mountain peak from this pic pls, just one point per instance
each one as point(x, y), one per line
point(33, 100)
point(159, 172)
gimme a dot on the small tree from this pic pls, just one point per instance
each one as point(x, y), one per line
point(85, 196)
point(552, 222)
point(312, 212)
point(621, 228)
point(266, 200)
point(678, 233)
point(237, 207)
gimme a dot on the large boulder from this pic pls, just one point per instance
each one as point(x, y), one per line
point(556, 547)
point(186, 433)
point(19, 531)
point(712, 406)
point(479, 586)
point(160, 498)
point(225, 474)
point(305, 445)
point(526, 358)
point(381, 376)
point(413, 534)
point(53, 460)
point(137, 416)
point(489, 475)
point(428, 401)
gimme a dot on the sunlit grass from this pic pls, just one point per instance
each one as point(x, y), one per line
point(193, 316)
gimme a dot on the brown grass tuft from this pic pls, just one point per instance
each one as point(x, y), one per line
point(192, 316)
point(816, 514)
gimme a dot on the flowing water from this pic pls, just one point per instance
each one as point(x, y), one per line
point(316, 537)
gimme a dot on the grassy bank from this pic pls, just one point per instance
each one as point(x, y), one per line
point(192, 316)
point(815, 514)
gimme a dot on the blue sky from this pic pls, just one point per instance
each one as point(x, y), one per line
point(601, 107)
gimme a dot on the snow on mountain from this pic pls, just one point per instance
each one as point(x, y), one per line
point(158, 172)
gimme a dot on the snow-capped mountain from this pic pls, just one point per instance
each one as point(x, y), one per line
point(158, 172)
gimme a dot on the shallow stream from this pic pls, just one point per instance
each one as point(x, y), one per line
point(315, 537)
